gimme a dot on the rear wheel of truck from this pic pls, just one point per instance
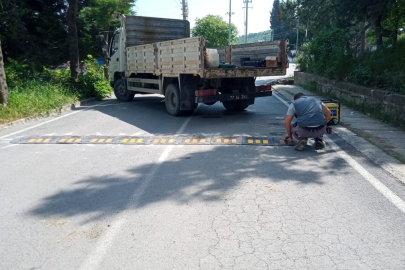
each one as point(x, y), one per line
point(172, 101)
point(121, 92)
point(234, 105)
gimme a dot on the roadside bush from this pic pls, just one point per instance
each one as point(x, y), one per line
point(36, 93)
point(330, 55)
point(90, 82)
point(327, 55)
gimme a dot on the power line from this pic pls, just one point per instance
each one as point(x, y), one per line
point(177, 3)
point(156, 10)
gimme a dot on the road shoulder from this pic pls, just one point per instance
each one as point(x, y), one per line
point(378, 143)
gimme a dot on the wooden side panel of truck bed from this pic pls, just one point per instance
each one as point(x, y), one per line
point(187, 56)
point(169, 58)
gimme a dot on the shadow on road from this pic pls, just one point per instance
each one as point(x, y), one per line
point(148, 113)
point(200, 176)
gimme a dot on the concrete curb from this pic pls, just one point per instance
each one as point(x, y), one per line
point(388, 163)
point(375, 154)
point(54, 112)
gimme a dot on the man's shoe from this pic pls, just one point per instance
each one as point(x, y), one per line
point(301, 144)
point(319, 144)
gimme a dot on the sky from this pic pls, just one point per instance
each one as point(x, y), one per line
point(258, 17)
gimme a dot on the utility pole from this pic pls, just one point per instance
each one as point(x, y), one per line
point(184, 8)
point(296, 46)
point(246, 17)
point(230, 13)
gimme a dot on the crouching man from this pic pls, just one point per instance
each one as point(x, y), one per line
point(312, 116)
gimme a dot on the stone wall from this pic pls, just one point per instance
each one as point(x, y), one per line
point(389, 103)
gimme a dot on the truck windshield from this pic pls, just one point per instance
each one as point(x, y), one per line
point(114, 43)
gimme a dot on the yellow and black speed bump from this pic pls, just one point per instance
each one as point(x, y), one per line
point(195, 140)
point(138, 140)
point(164, 140)
point(97, 139)
point(258, 140)
point(155, 140)
point(227, 140)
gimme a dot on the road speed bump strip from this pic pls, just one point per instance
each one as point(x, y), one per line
point(259, 140)
point(164, 140)
point(227, 140)
point(156, 140)
point(193, 140)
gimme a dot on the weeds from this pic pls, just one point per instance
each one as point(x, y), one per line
point(38, 93)
point(330, 55)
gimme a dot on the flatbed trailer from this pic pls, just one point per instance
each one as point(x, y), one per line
point(177, 68)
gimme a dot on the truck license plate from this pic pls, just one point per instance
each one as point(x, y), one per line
point(237, 97)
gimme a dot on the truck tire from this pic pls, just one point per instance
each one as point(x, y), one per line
point(121, 92)
point(234, 105)
point(172, 99)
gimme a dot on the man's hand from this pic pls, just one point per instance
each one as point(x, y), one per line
point(287, 123)
point(327, 113)
point(289, 136)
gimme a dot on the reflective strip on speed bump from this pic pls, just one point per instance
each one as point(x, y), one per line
point(227, 140)
point(258, 140)
point(194, 140)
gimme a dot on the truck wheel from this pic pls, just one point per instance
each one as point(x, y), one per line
point(121, 92)
point(172, 99)
point(235, 105)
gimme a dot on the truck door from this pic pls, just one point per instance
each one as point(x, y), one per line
point(114, 64)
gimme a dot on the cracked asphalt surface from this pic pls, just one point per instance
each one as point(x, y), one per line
point(190, 206)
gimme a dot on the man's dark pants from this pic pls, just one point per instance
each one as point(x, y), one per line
point(305, 134)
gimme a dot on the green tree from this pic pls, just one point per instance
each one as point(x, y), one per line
point(104, 14)
point(34, 32)
point(215, 29)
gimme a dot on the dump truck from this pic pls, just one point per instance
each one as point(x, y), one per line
point(157, 56)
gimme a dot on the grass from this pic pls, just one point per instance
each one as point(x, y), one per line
point(35, 98)
point(373, 111)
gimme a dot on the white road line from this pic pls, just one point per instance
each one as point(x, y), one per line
point(386, 192)
point(96, 257)
point(9, 146)
point(282, 100)
point(55, 119)
point(391, 196)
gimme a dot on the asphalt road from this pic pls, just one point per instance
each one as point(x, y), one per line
point(96, 206)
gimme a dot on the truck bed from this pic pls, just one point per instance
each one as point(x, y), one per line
point(187, 56)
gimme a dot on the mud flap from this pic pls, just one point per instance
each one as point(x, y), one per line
point(188, 85)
